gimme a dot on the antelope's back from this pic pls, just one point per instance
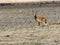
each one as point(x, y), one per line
point(41, 18)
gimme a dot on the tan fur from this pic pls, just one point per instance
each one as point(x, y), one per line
point(40, 19)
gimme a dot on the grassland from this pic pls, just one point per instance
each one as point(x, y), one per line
point(18, 27)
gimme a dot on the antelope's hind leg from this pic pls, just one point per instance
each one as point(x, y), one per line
point(45, 23)
point(39, 23)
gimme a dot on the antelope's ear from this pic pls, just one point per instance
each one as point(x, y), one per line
point(33, 13)
point(36, 12)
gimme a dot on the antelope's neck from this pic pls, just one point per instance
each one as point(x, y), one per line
point(35, 16)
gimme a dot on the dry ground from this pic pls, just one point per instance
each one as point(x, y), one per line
point(22, 29)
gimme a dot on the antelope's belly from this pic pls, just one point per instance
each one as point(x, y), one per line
point(38, 20)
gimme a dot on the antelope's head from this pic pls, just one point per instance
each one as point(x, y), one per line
point(34, 14)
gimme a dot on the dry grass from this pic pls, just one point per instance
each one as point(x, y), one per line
point(18, 27)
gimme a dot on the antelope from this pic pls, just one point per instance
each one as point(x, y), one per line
point(40, 19)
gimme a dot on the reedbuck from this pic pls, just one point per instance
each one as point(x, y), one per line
point(40, 19)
